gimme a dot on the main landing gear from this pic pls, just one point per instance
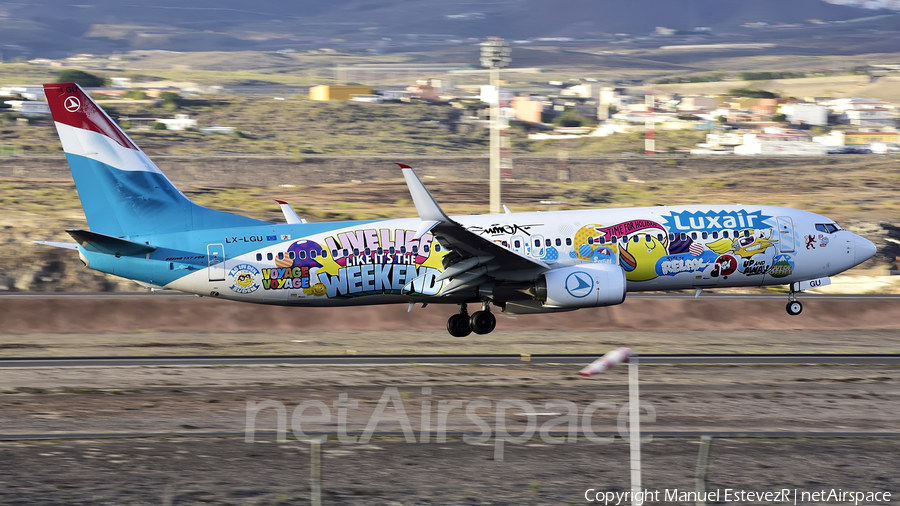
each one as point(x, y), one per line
point(794, 307)
point(481, 322)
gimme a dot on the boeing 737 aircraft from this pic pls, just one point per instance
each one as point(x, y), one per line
point(143, 228)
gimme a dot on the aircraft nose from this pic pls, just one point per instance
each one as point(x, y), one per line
point(863, 248)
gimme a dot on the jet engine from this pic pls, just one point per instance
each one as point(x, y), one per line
point(586, 285)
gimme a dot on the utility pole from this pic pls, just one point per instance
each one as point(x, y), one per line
point(495, 54)
point(649, 123)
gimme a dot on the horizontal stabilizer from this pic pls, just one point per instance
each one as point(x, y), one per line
point(107, 244)
point(65, 245)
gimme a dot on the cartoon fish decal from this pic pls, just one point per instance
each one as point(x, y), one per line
point(746, 247)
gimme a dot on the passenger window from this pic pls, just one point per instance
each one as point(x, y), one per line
point(392, 250)
point(325, 253)
point(355, 251)
point(259, 257)
point(281, 255)
point(548, 243)
point(291, 255)
point(694, 235)
point(725, 234)
point(715, 235)
point(268, 256)
point(591, 240)
point(671, 236)
point(367, 251)
point(659, 237)
point(537, 243)
point(517, 244)
point(558, 241)
point(313, 254)
point(683, 236)
point(402, 250)
point(415, 249)
point(568, 241)
point(334, 253)
point(437, 247)
point(705, 235)
point(302, 255)
point(635, 238)
point(746, 233)
point(602, 240)
point(504, 244)
point(426, 249)
point(346, 252)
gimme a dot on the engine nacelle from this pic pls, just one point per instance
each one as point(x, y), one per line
point(586, 285)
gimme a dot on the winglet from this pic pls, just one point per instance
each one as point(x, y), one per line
point(427, 207)
point(403, 166)
point(289, 215)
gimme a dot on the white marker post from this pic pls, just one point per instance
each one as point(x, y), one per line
point(634, 429)
point(608, 361)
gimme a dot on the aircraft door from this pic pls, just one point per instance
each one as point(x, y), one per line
point(215, 258)
point(537, 246)
point(518, 244)
point(785, 234)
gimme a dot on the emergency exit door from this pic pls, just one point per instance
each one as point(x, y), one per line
point(785, 234)
point(215, 259)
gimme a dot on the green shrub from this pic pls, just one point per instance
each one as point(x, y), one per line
point(80, 77)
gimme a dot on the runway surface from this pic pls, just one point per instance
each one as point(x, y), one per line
point(455, 434)
point(371, 360)
point(631, 295)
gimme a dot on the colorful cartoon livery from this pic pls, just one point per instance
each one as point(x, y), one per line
point(145, 229)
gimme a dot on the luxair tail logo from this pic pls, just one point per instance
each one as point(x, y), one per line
point(711, 221)
point(244, 276)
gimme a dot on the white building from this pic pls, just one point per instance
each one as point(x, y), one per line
point(807, 114)
point(26, 92)
point(779, 145)
point(29, 108)
point(870, 117)
point(698, 103)
point(842, 105)
point(180, 122)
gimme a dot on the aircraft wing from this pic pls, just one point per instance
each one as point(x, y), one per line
point(290, 215)
point(472, 259)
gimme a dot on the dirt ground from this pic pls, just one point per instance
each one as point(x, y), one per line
point(390, 470)
point(227, 471)
point(195, 401)
point(161, 313)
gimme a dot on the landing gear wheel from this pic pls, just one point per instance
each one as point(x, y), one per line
point(458, 325)
point(794, 308)
point(482, 322)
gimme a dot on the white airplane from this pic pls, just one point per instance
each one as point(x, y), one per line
point(143, 228)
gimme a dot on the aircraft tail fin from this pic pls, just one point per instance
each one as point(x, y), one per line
point(122, 191)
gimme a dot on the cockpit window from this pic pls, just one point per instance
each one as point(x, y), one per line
point(828, 228)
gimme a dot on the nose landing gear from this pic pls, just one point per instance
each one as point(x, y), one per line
point(794, 307)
